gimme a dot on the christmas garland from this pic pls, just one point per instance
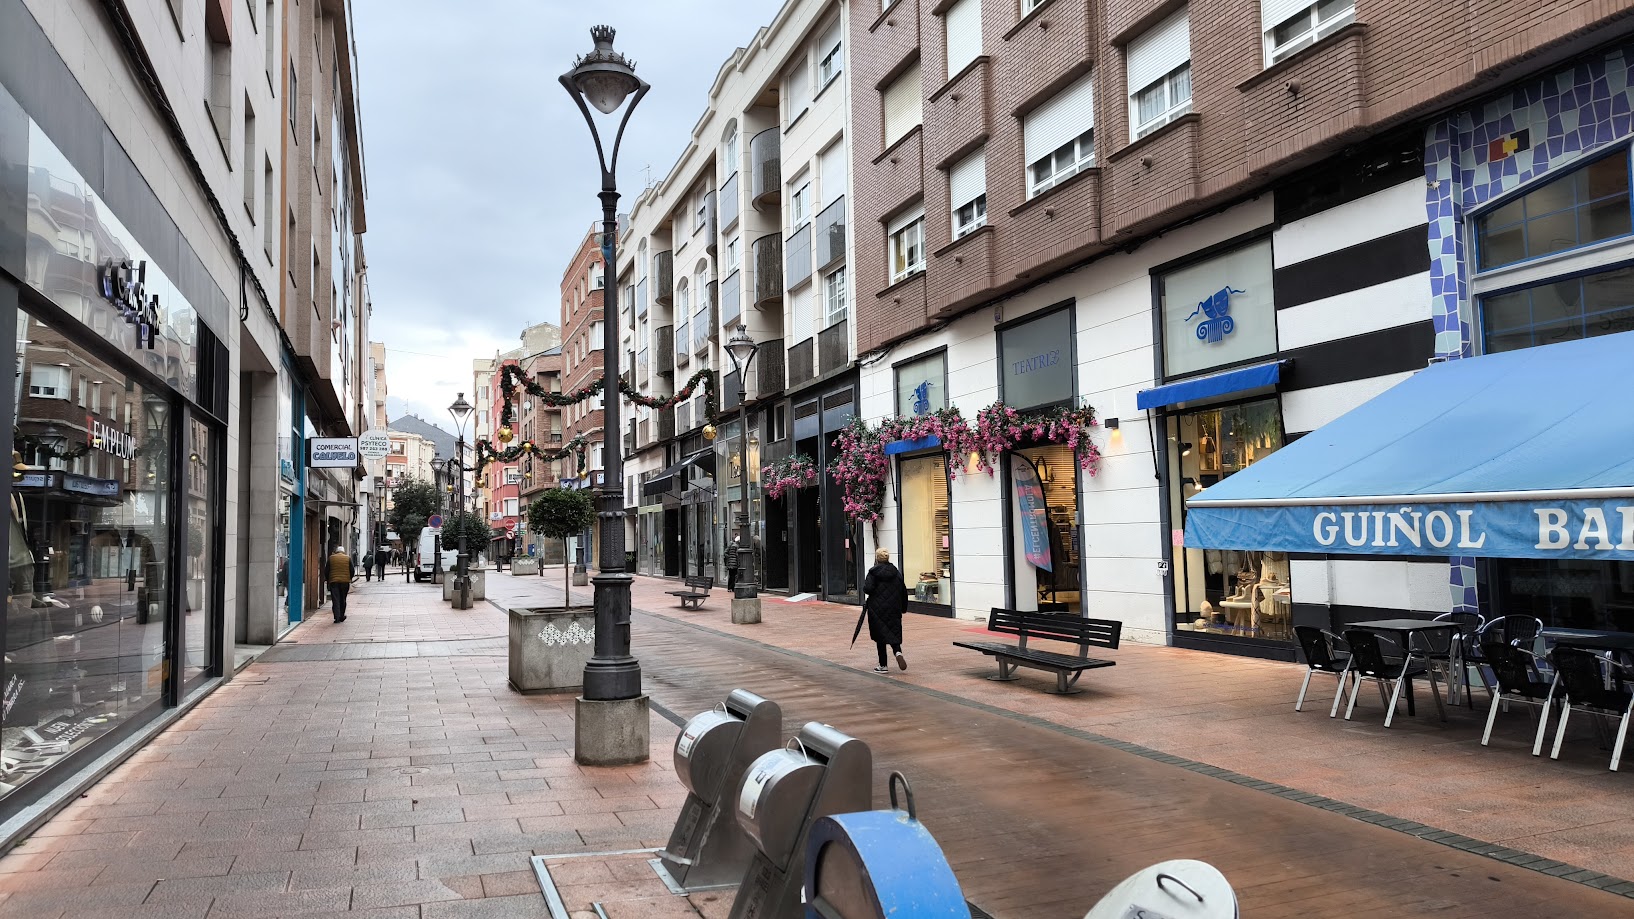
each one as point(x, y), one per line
point(512, 379)
point(861, 466)
point(487, 453)
point(792, 472)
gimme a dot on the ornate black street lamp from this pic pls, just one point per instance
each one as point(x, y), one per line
point(461, 410)
point(604, 79)
point(746, 596)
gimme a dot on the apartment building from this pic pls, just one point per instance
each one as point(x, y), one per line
point(583, 338)
point(748, 229)
point(497, 495)
point(542, 425)
point(1221, 226)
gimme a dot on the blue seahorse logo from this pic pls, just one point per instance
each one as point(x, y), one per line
point(921, 398)
point(1217, 307)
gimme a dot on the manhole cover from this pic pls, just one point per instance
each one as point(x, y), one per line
point(412, 770)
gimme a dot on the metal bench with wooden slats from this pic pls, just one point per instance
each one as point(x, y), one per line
point(1070, 629)
point(697, 590)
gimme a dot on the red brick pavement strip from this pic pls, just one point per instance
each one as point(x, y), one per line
point(1237, 714)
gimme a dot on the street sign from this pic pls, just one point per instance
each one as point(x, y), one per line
point(374, 444)
point(331, 453)
point(510, 531)
point(436, 522)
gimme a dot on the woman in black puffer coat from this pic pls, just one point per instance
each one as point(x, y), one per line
point(885, 599)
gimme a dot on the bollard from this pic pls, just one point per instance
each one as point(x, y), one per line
point(708, 847)
point(783, 794)
point(880, 865)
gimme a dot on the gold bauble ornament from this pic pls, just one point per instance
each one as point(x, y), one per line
point(709, 432)
point(506, 435)
point(527, 446)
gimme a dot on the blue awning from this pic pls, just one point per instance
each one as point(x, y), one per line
point(909, 446)
point(1215, 384)
point(1525, 454)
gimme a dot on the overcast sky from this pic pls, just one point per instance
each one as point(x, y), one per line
point(481, 173)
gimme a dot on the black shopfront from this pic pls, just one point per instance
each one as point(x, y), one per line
point(115, 542)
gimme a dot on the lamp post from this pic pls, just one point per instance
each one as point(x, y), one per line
point(461, 410)
point(746, 596)
point(612, 725)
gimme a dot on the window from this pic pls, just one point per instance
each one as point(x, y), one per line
point(294, 102)
point(907, 252)
point(964, 35)
point(219, 104)
point(1027, 6)
point(799, 201)
point(921, 385)
point(833, 172)
point(513, 475)
point(48, 381)
point(1059, 136)
point(267, 190)
point(729, 156)
point(831, 57)
point(272, 41)
point(1586, 205)
point(834, 298)
point(1290, 29)
point(1159, 75)
point(777, 423)
point(511, 503)
point(249, 159)
point(702, 210)
point(1559, 310)
point(798, 86)
point(967, 193)
point(903, 105)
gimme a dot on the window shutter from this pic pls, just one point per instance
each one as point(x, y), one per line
point(1275, 12)
point(833, 173)
point(967, 180)
point(902, 220)
point(902, 105)
point(830, 39)
point(799, 88)
point(1161, 49)
point(1070, 113)
point(800, 312)
point(964, 34)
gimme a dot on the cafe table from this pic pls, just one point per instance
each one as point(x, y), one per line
point(1402, 632)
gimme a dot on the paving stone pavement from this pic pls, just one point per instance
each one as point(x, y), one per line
point(381, 767)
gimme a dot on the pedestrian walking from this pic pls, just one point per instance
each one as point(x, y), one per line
point(341, 577)
point(368, 566)
point(732, 563)
point(885, 599)
point(381, 556)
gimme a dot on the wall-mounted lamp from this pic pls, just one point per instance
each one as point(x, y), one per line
point(1043, 472)
point(1111, 424)
point(1185, 449)
point(1188, 480)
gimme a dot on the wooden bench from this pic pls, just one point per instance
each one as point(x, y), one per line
point(1072, 629)
point(697, 589)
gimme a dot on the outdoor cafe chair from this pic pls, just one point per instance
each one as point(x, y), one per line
point(1596, 684)
point(1461, 650)
point(1511, 630)
point(1369, 662)
point(1519, 680)
point(1324, 653)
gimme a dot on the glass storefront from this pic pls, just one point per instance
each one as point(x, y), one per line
point(1043, 494)
point(200, 560)
point(89, 598)
point(927, 533)
point(1226, 592)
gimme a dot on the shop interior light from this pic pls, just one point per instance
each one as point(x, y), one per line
point(1188, 480)
point(1185, 449)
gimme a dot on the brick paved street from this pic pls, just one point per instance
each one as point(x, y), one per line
point(381, 767)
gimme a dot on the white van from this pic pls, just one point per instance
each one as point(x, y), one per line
point(428, 551)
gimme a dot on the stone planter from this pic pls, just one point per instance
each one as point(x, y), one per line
point(479, 584)
point(524, 566)
point(549, 647)
point(581, 577)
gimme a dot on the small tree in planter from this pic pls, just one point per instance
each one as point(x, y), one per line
point(413, 502)
point(561, 514)
point(476, 531)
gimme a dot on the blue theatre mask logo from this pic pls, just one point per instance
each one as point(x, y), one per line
point(1217, 309)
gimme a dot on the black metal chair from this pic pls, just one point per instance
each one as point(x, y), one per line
point(1519, 680)
point(1511, 630)
point(1596, 684)
point(1369, 662)
point(1322, 654)
point(1460, 652)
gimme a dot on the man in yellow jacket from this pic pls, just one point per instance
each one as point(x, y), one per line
point(340, 579)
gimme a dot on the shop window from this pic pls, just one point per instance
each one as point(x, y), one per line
point(1226, 592)
point(1564, 593)
point(921, 385)
point(1045, 551)
point(927, 535)
point(1559, 310)
point(1037, 359)
point(1218, 311)
point(1586, 205)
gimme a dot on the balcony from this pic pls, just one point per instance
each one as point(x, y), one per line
point(731, 299)
point(643, 433)
point(834, 348)
point(663, 277)
point(797, 257)
point(801, 368)
point(768, 368)
point(703, 321)
point(664, 349)
point(831, 234)
point(711, 229)
point(727, 203)
point(683, 342)
point(629, 437)
point(768, 261)
point(666, 424)
point(766, 170)
point(729, 392)
point(641, 299)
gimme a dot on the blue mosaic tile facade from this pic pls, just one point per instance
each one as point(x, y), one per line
point(1567, 115)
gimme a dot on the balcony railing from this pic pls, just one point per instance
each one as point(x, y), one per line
point(797, 257)
point(683, 417)
point(711, 229)
point(769, 369)
point(801, 367)
point(683, 342)
point(729, 391)
point(664, 349)
point(831, 234)
point(768, 255)
point(666, 424)
point(766, 170)
point(662, 277)
point(731, 299)
point(727, 203)
point(641, 299)
point(703, 320)
point(833, 348)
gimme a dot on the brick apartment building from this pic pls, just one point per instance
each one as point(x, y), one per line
point(1222, 225)
point(583, 287)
